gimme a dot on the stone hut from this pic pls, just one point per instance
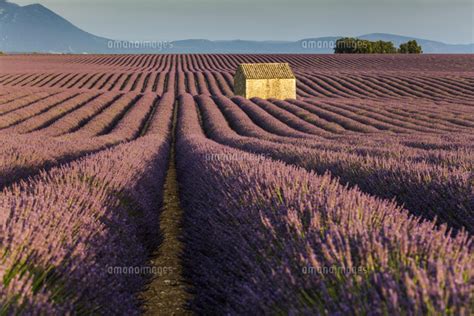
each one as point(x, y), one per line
point(267, 80)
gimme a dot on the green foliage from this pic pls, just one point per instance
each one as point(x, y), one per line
point(410, 47)
point(381, 47)
point(350, 45)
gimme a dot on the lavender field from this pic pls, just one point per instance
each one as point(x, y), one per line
point(355, 198)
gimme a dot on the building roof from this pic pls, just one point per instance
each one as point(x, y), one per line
point(266, 71)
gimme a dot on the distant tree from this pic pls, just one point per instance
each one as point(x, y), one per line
point(350, 45)
point(382, 47)
point(345, 45)
point(410, 47)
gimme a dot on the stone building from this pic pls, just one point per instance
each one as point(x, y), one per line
point(268, 80)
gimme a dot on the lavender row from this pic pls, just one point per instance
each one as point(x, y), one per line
point(263, 237)
point(18, 103)
point(73, 120)
point(48, 110)
point(105, 120)
point(447, 150)
point(36, 108)
point(426, 190)
point(26, 154)
point(70, 236)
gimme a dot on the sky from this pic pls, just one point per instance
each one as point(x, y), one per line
point(449, 21)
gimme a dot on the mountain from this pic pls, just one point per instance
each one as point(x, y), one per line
point(35, 28)
point(320, 45)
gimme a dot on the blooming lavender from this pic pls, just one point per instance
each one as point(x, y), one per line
point(274, 238)
point(431, 191)
point(26, 154)
point(355, 198)
point(65, 229)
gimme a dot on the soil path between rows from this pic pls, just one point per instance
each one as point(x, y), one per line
point(167, 293)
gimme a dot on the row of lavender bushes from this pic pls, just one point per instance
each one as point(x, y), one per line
point(54, 101)
point(16, 101)
point(26, 154)
point(428, 190)
point(448, 149)
point(263, 237)
point(63, 232)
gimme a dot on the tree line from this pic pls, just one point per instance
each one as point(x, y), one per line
point(350, 45)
